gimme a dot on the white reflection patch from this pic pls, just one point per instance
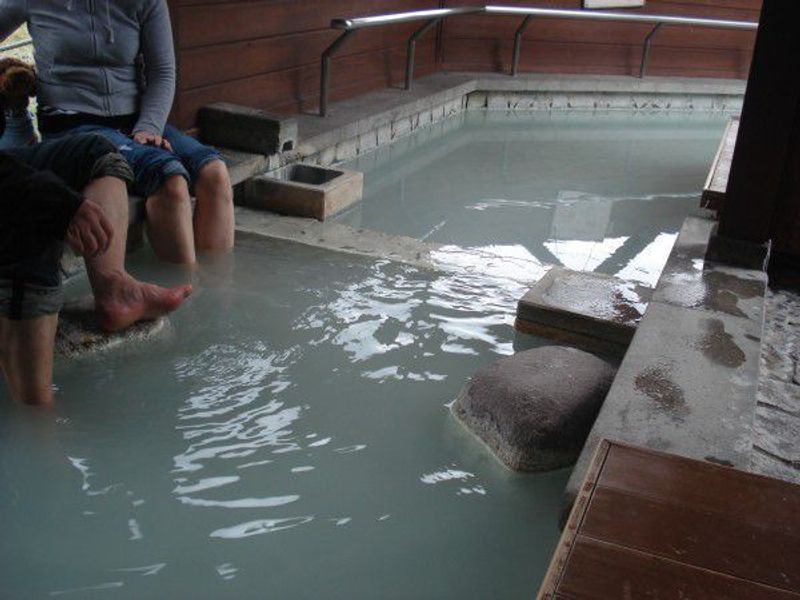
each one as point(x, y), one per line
point(446, 475)
point(259, 527)
point(242, 502)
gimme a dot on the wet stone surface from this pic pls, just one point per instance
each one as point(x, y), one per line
point(78, 334)
point(534, 409)
point(590, 304)
point(776, 443)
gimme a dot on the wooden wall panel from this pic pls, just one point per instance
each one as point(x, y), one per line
point(485, 43)
point(266, 53)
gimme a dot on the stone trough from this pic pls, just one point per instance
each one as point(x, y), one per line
point(304, 190)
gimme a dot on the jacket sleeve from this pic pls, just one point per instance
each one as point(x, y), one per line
point(13, 13)
point(159, 67)
point(36, 207)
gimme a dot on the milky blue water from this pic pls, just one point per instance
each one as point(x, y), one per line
point(604, 192)
point(289, 439)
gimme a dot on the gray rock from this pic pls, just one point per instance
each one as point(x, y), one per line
point(534, 409)
point(78, 334)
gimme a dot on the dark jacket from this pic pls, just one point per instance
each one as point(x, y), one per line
point(36, 208)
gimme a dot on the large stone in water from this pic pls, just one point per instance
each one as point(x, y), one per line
point(535, 409)
point(78, 334)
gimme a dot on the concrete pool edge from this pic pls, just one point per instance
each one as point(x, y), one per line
point(688, 383)
point(364, 123)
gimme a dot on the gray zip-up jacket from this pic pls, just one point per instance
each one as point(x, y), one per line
point(86, 53)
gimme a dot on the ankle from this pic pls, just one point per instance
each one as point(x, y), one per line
point(103, 281)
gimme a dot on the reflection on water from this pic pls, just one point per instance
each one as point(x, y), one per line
point(588, 191)
point(296, 442)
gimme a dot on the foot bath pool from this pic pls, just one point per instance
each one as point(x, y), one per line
point(290, 440)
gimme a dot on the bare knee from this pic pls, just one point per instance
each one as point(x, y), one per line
point(173, 195)
point(174, 189)
point(214, 177)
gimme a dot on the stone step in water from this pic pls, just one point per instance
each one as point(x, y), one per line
point(534, 409)
point(589, 310)
point(78, 334)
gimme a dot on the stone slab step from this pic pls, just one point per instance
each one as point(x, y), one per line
point(587, 309)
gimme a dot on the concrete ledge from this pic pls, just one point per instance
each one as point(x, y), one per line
point(352, 124)
point(247, 129)
point(688, 382)
point(338, 237)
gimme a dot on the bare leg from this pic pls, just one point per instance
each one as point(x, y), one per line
point(121, 300)
point(111, 195)
point(26, 348)
point(213, 217)
point(169, 222)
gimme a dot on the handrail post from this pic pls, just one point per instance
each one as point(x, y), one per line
point(518, 44)
point(646, 50)
point(412, 49)
point(325, 72)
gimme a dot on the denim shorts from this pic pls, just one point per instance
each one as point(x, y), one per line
point(153, 166)
point(30, 278)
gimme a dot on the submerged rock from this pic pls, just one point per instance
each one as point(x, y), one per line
point(78, 333)
point(535, 409)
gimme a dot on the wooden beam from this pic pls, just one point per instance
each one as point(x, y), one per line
point(761, 161)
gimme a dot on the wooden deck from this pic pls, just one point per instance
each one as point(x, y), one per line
point(649, 525)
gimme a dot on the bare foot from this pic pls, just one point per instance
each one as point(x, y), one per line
point(123, 301)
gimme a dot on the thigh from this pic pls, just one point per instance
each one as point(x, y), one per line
point(72, 157)
point(193, 154)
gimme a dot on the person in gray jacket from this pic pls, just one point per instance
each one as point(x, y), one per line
point(108, 67)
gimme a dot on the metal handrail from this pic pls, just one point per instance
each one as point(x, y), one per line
point(435, 16)
point(16, 45)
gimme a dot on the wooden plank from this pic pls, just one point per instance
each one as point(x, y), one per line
point(713, 489)
point(300, 87)
point(717, 181)
point(601, 571)
point(565, 30)
point(568, 57)
point(573, 524)
point(219, 23)
point(653, 525)
point(730, 545)
point(228, 62)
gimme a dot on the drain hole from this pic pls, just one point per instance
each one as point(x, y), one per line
point(287, 146)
